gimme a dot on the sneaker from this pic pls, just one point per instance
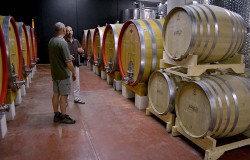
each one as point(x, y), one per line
point(66, 119)
point(57, 116)
point(79, 101)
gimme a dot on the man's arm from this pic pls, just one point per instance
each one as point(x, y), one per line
point(79, 49)
point(72, 69)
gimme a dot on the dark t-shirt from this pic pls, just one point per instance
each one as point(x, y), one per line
point(73, 46)
point(58, 55)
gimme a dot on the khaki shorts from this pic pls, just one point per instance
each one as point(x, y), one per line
point(62, 87)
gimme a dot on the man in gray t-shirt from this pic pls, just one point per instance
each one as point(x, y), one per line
point(61, 66)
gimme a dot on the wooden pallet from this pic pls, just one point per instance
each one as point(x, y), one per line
point(212, 152)
point(193, 69)
point(140, 89)
point(168, 118)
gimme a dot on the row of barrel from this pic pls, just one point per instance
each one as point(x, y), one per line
point(215, 105)
point(18, 56)
point(133, 48)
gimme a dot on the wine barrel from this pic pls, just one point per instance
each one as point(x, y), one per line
point(25, 46)
point(33, 40)
point(83, 41)
point(213, 33)
point(31, 45)
point(109, 47)
point(97, 45)
point(139, 49)
point(216, 106)
point(3, 69)
point(161, 91)
point(89, 44)
point(13, 49)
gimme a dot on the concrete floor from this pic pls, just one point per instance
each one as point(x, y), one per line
point(108, 127)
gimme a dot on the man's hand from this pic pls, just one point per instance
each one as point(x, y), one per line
point(80, 50)
point(73, 77)
point(72, 58)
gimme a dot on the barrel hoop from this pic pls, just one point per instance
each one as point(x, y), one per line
point(243, 31)
point(238, 40)
point(216, 33)
point(194, 32)
point(220, 104)
point(201, 29)
point(227, 101)
point(212, 104)
point(245, 81)
point(116, 46)
point(233, 35)
point(208, 30)
point(154, 47)
point(171, 88)
point(158, 24)
point(143, 51)
point(235, 101)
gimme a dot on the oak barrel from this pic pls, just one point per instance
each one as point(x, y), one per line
point(97, 44)
point(34, 41)
point(161, 91)
point(213, 33)
point(110, 45)
point(89, 45)
point(217, 106)
point(25, 46)
point(3, 69)
point(84, 39)
point(139, 49)
point(13, 49)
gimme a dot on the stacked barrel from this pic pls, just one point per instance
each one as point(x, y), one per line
point(16, 60)
point(211, 104)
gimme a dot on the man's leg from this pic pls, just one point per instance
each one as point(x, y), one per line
point(55, 101)
point(76, 84)
point(63, 104)
point(64, 88)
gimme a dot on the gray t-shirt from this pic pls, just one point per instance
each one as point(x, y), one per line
point(58, 56)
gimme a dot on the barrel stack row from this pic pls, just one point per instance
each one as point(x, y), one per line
point(203, 82)
point(18, 56)
point(128, 53)
point(189, 67)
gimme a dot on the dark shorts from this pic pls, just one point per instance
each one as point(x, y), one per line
point(62, 87)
